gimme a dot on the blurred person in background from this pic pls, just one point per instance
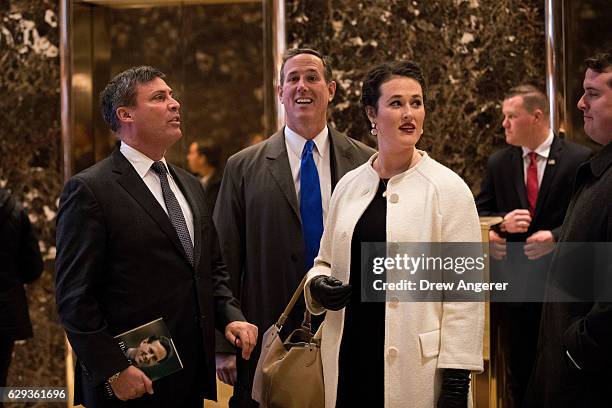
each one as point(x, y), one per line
point(20, 263)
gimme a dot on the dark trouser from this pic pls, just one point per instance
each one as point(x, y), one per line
point(519, 328)
point(244, 384)
point(6, 354)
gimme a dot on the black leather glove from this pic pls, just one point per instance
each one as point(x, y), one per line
point(329, 292)
point(455, 387)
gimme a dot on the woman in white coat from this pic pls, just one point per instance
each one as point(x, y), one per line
point(410, 354)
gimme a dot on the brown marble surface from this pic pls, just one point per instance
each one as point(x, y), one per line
point(30, 166)
point(212, 56)
point(472, 52)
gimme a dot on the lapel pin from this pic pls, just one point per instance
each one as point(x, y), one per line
point(552, 162)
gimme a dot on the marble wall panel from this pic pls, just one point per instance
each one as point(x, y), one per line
point(30, 165)
point(472, 52)
point(212, 55)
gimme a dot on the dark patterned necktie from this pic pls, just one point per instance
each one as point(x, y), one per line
point(174, 210)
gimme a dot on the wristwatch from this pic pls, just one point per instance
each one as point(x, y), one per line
point(114, 377)
point(107, 386)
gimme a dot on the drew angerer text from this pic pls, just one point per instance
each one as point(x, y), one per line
point(424, 284)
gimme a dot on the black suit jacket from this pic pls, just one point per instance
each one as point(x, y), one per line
point(258, 219)
point(20, 262)
point(503, 187)
point(120, 264)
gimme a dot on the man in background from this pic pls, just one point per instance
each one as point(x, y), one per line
point(274, 198)
point(526, 184)
point(20, 263)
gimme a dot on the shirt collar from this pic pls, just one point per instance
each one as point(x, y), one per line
point(602, 160)
point(140, 162)
point(296, 142)
point(542, 150)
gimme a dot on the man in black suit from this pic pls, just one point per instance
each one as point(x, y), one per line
point(527, 184)
point(135, 242)
point(259, 212)
point(20, 263)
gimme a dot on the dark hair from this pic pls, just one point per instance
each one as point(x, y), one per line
point(212, 153)
point(601, 62)
point(533, 98)
point(327, 68)
point(121, 91)
point(165, 342)
point(370, 90)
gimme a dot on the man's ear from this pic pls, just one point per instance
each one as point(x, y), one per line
point(279, 92)
point(538, 115)
point(331, 88)
point(124, 114)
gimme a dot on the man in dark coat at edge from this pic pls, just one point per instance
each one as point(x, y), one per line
point(575, 344)
point(20, 263)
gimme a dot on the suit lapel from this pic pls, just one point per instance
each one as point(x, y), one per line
point(278, 165)
point(549, 174)
point(129, 179)
point(518, 175)
point(195, 212)
point(342, 160)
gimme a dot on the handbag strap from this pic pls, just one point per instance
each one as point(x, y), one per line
point(292, 302)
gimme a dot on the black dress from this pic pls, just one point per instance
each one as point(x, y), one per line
point(361, 360)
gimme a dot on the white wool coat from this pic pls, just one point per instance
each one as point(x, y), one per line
point(426, 203)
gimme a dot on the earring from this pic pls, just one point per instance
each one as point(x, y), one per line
point(421, 131)
point(374, 131)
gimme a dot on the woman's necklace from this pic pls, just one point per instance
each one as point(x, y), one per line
point(384, 194)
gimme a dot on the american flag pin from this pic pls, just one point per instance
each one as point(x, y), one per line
point(552, 162)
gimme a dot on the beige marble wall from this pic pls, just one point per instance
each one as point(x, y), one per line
point(472, 52)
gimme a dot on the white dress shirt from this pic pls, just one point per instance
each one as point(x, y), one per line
point(542, 152)
point(321, 155)
point(142, 165)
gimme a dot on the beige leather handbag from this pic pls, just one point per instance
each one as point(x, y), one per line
point(289, 374)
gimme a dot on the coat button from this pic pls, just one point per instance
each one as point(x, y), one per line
point(344, 235)
point(393, 302)
point(294, 257)
point(392, 351)
point(393, 198)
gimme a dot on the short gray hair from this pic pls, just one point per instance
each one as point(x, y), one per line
point(121, 91)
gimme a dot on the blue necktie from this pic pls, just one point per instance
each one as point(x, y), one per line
point(311, 208)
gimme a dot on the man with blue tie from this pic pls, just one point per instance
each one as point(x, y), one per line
point(274, 198)
point(526, 183)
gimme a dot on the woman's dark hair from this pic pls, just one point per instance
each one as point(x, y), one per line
point(370, 90)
